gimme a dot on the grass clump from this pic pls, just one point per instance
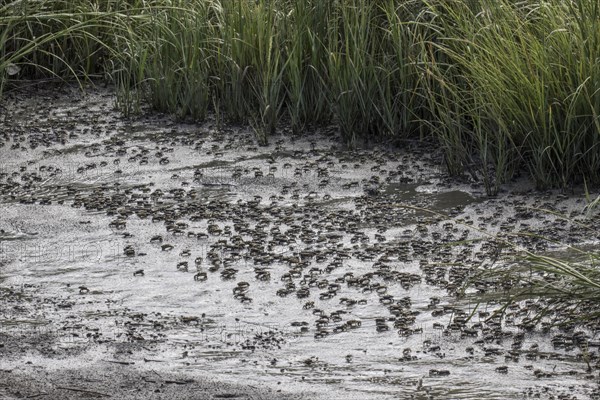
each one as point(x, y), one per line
point(39, 40)
point(560, 288)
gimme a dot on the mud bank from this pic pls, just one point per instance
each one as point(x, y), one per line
point(145, 254)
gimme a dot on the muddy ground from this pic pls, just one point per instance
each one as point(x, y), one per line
point(149, 258)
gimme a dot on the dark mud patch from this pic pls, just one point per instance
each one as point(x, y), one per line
point(42, 359)
point(120, 381)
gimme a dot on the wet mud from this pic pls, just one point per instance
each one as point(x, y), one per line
point(151, 257)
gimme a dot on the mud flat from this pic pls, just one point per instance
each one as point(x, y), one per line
point(148, 258)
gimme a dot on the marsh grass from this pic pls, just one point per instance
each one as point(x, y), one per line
point(40, 41)
point(563, 286)
point(528, 74)
point(266, 68)
point(504, 86)
point(307, 104)
point(565, 289)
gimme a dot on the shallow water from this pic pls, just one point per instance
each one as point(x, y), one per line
point(70, 228)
